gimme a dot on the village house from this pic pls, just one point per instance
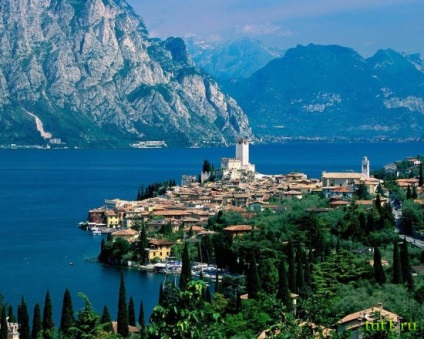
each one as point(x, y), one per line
point(355, 321)
point(127, 234)
point(159, 249)
point(289, 195)
point(111, 218)
point(238, 230)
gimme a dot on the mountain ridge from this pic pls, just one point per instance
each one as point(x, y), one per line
point(91, 74)
point(328, 91)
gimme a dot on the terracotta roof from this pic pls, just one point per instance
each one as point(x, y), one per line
point(339, 202)
point(131, 329)
point(367, 314)
point(364, 202)
point(171, 212)
point(238, 228)
point(125, 232)
point(160, 242)
point(347, 175)
point(341, 189)
point(195, 228)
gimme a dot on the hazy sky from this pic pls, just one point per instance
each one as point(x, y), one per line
point(365, 25)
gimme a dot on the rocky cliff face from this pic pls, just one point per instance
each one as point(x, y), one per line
point(86, 71)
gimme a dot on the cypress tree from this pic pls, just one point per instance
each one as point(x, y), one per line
point(208, 294)
point(408, 192)
point(414, 194)
point(378, 203)
point(11, 315)
point(37, 327)
point(218, 286)
point(406, 267)
point(283, 292)
point(397, 267)
point(185, 276)
point(379, 274)
point(141, 321)
point(131, 312)
point(253, 278)
point(48, 324)
point(3, 324)
point(143, 244)
point(420, 179)
point(122, 319)
point(143, 332)
point(161, 294)
point(67, 318)
point(292, 268)
point(106, 320)
point(300, 278)
point(24, 330)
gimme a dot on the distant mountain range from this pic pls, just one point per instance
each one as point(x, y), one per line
point(331, 91)
point(85, 72)
point(231, 59)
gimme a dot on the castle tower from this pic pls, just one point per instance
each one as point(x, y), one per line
point(242, 151)
point(365, 167)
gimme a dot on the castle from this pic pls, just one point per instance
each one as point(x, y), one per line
point(238, 167)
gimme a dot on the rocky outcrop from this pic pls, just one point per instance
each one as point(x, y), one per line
point(88, 71)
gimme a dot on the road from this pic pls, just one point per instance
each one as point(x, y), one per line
point(398, 219)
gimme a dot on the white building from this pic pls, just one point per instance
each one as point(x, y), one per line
point(235, 168)
point(365, 168)
point(12, 330)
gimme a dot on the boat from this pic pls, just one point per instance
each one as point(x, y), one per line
point(96, 231)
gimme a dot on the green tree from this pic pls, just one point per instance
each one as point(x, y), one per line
point(408, 192)
point(87, 325)
point(420, 178)
point(397, 267)
point(3, 324)
point(300, 278)
point(37, 327)
point(131, 312)
point(292, 267)
point(206, 166)
point(141, 321)
point(10, 314)
point(283, 292)
point(379, 274)
point(106, 320)
point(414, 194)
point(67, 319)
point(406, 267)
point(48, 324)
point(143, 244)
point(378, 203)
point(122, 318)
point(187, 316)
point(23, 319)
point(253, 278)
point(185, 275)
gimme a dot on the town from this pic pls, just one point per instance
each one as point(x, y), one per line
point(230, 215)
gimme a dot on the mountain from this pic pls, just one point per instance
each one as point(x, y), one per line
point(86, 71)
point(232, 59)
point(331, 91)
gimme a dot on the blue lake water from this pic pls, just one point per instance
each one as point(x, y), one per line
point(45, 193)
